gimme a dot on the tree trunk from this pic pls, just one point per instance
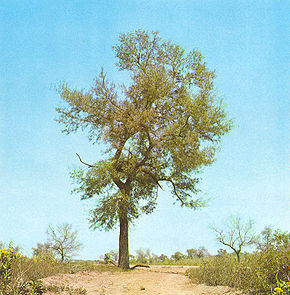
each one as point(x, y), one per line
point(123, 241)
point(238, 256)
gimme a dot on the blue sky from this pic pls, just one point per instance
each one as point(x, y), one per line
point(45, 42)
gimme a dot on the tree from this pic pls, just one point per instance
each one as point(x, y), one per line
point(43, 250)
point(63, 241)
point(202, 252)
point(162, 128)
point(143, 256)
point(275, 239)
point(163, 257)
point(222, 252)
point(177, 256)
point(114, 254)
point(236, 235)
point(191, 253)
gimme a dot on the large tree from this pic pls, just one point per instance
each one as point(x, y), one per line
point(163, 127)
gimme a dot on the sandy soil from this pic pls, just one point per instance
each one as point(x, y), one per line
point(164, 280)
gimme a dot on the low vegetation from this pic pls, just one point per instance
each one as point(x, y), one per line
point(266, 271)
point(20, 274)
point(263, 271)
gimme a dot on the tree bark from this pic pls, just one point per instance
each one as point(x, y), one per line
point(123, 241)
point(238, 256)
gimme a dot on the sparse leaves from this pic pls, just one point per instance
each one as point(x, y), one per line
point(63, 241)
point(236, 235)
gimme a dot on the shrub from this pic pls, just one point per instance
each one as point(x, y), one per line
point(20, 274)
point(6, 260)
point(257, 273)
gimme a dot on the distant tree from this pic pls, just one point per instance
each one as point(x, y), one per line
point(43, 250)
point(161, 128)
point(63, 240)
point(142, 255)
point(108, 259)
point(222, 252)
point(236, 235)
point(177, 256)
point(154, 258)
point(281, 239)
point(270, 238)
point(266, 238)
point(163, 257)
point(132, 257)
point(191, 253)
point(202, 252)
point(114, 255)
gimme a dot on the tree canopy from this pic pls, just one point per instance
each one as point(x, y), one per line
point(161, 128)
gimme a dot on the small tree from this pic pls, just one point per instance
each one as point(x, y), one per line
point(275, 239)
point(191, 253)
point(63, 240)
point(115, 255)
point(202, 252)
point(43, 250)
point(178, 256)
point(143, 256)
point(236, 235)
point(163, 257)
point(222, 252)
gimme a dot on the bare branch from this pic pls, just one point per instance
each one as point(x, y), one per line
point(89, 165)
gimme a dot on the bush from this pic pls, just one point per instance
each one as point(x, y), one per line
point(20, 274)
point(257, 273)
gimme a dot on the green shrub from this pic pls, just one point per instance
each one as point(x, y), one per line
point(257, 273)
point(6, 259)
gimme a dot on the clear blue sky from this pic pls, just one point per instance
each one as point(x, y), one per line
point(44, 42)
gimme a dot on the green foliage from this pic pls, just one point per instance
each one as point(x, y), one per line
point(143, 255)
point(6, 259)
point(20, 275)
point(43, 252)
point(282, 287)
point(200, 252)
point(14, 277)
point(163, 127)
point(258, 273)
point(178, 256)
point(162, 258)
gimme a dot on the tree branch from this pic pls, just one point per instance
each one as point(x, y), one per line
point(89, 165)
point(180, 131)
point(174, 189)
point(152, 176)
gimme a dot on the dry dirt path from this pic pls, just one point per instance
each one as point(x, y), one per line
point(163, 280)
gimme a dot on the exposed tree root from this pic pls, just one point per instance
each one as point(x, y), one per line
point(139, 265)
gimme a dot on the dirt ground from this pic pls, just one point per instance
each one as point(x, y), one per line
point(163, 280)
